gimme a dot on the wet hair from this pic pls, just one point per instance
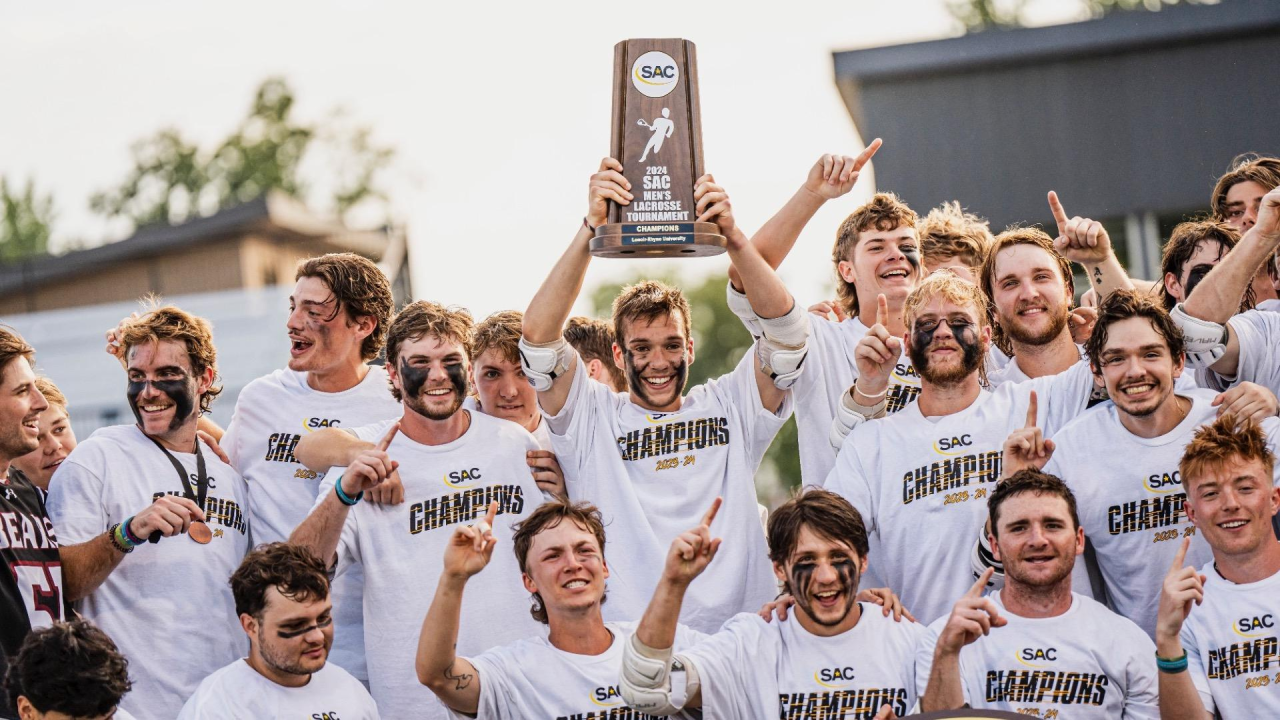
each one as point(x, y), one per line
point(593, 339)
point(172, 323)
point(1248, 167)
point(546, 516)
point(500, 331)
point(1030, 480)
point(987, 275)
point(292, 569)
point(883, 212)
point(1184, 240)
point(1219, 443)
point(648, 300)
point(948, 232)
point(1125, 304)
point(422, 318)
point(12, 347)
point(51, 392)
point(359, 287)
point(71, 668)
point(825, 513)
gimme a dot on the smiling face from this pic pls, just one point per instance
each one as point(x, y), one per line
point(822, 575)
point(883, 262)
point(322, 335)
point(1037, 540)
point(1232, 504)
point(1031, 298)
point(946, 342)
point(289, 637)
point(1137, 367)
point(56, 441)
point(504, 390)
point(163, 392)
point(431, 374)
point(566, 567)
point(20, 407)
point(656, 355)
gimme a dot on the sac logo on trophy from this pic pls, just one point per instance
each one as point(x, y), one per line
point(657, 137)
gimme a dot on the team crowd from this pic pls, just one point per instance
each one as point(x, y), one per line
point(1009, 499)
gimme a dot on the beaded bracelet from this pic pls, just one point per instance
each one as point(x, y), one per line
point(343, 497)
point(1172, 666)
point(118, 539)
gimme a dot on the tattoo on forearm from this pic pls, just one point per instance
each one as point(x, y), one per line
point(461, 679)
point(1097, 276)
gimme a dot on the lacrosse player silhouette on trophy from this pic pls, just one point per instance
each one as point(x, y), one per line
point(662, 128)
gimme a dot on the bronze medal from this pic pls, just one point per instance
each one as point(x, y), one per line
point(200, 532)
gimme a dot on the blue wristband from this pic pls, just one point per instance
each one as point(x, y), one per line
point(1174, 666)
point(343, 497)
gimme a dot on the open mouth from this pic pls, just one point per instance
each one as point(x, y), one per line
point(1038, 559)
point(32, 424)
point(154, 408)
point(896, 273)
point(575, 584)
point(827, 599)
point(1137, 389)
point(299, 346)
point(1233, 524)
point(1032, 311)
point(53, 465)
point(661, 382)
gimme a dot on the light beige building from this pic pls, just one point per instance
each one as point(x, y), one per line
point(254, 245)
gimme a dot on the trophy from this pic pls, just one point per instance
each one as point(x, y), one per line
point(657, 137)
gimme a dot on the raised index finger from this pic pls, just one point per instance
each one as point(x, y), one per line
point(493, 513)
point(711, 514)
point(865, 155)
point(385, 442)
point(882, 310)
point(1059, 215)
point(1031, 411)
point(978, 587)
point(1181, 556)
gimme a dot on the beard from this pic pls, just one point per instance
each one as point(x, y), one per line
point(1062, 570)
point(286, 662)
point(14, 441)
point(971, 356)
point(414, 381)
point(1019, 334)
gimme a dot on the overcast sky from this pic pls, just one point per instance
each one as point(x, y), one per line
point(498, 111)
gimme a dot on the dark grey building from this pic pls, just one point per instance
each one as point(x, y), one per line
point(1131, 118)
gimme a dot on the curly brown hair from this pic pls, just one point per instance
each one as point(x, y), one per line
point(501, 332)
point(544, 517)
point(1125, 304)
point(172, 323)
point(1260, 169)
point(593, 339)
point(883, 212)
point(292, 569)
point(422, 318)
point(361, 289)
point(71, 668)
point(948, 231)
point(825, 513)
point(1183, 241)
point(648, 300)
point(1221, 442)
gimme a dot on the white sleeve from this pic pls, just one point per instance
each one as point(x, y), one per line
point(571, 429)
point(1142, 693)
point(1259, 335)
point(849, 477)
point(924, 659)
point(230, 438)
point(75, 504)
point(738, 391)
point(726, 662)
point(1061, 398)
point(371, 433)
point(494, 689)
point(1195, 668)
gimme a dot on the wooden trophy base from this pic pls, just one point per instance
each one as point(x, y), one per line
point(657, 239)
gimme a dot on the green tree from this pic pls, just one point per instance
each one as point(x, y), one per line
point(26, 224)
point(720, 341)
point(977, 15)
point(173, 180)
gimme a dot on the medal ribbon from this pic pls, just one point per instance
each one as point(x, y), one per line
point(202, 480)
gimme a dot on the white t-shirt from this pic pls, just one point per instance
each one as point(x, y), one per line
point(272, 414)
point(531, 678)
point(168, 606)
point(654, 475)
point(1258, 332)
point(401, 548)
point(238, 692)
point(1012, 372)
point(1087, 663)
point(829, 372)
point(754, 669)
point(1231, 644)
point(1131, 510)
point(541, 434)
point(1268, 306)
point(921, 483)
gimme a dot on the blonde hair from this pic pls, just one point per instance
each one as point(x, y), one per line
point(51, 392)
point(500, 331)
point(883, 212)
point(948, 231)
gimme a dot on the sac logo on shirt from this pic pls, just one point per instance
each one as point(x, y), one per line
point(463, 479)
point(1254, 626)
point(834, 677)
point(608, 696)
point(952, 445)
point(1036, 657)
point(1163, 483)
point(315, 423)
point(325, 716)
